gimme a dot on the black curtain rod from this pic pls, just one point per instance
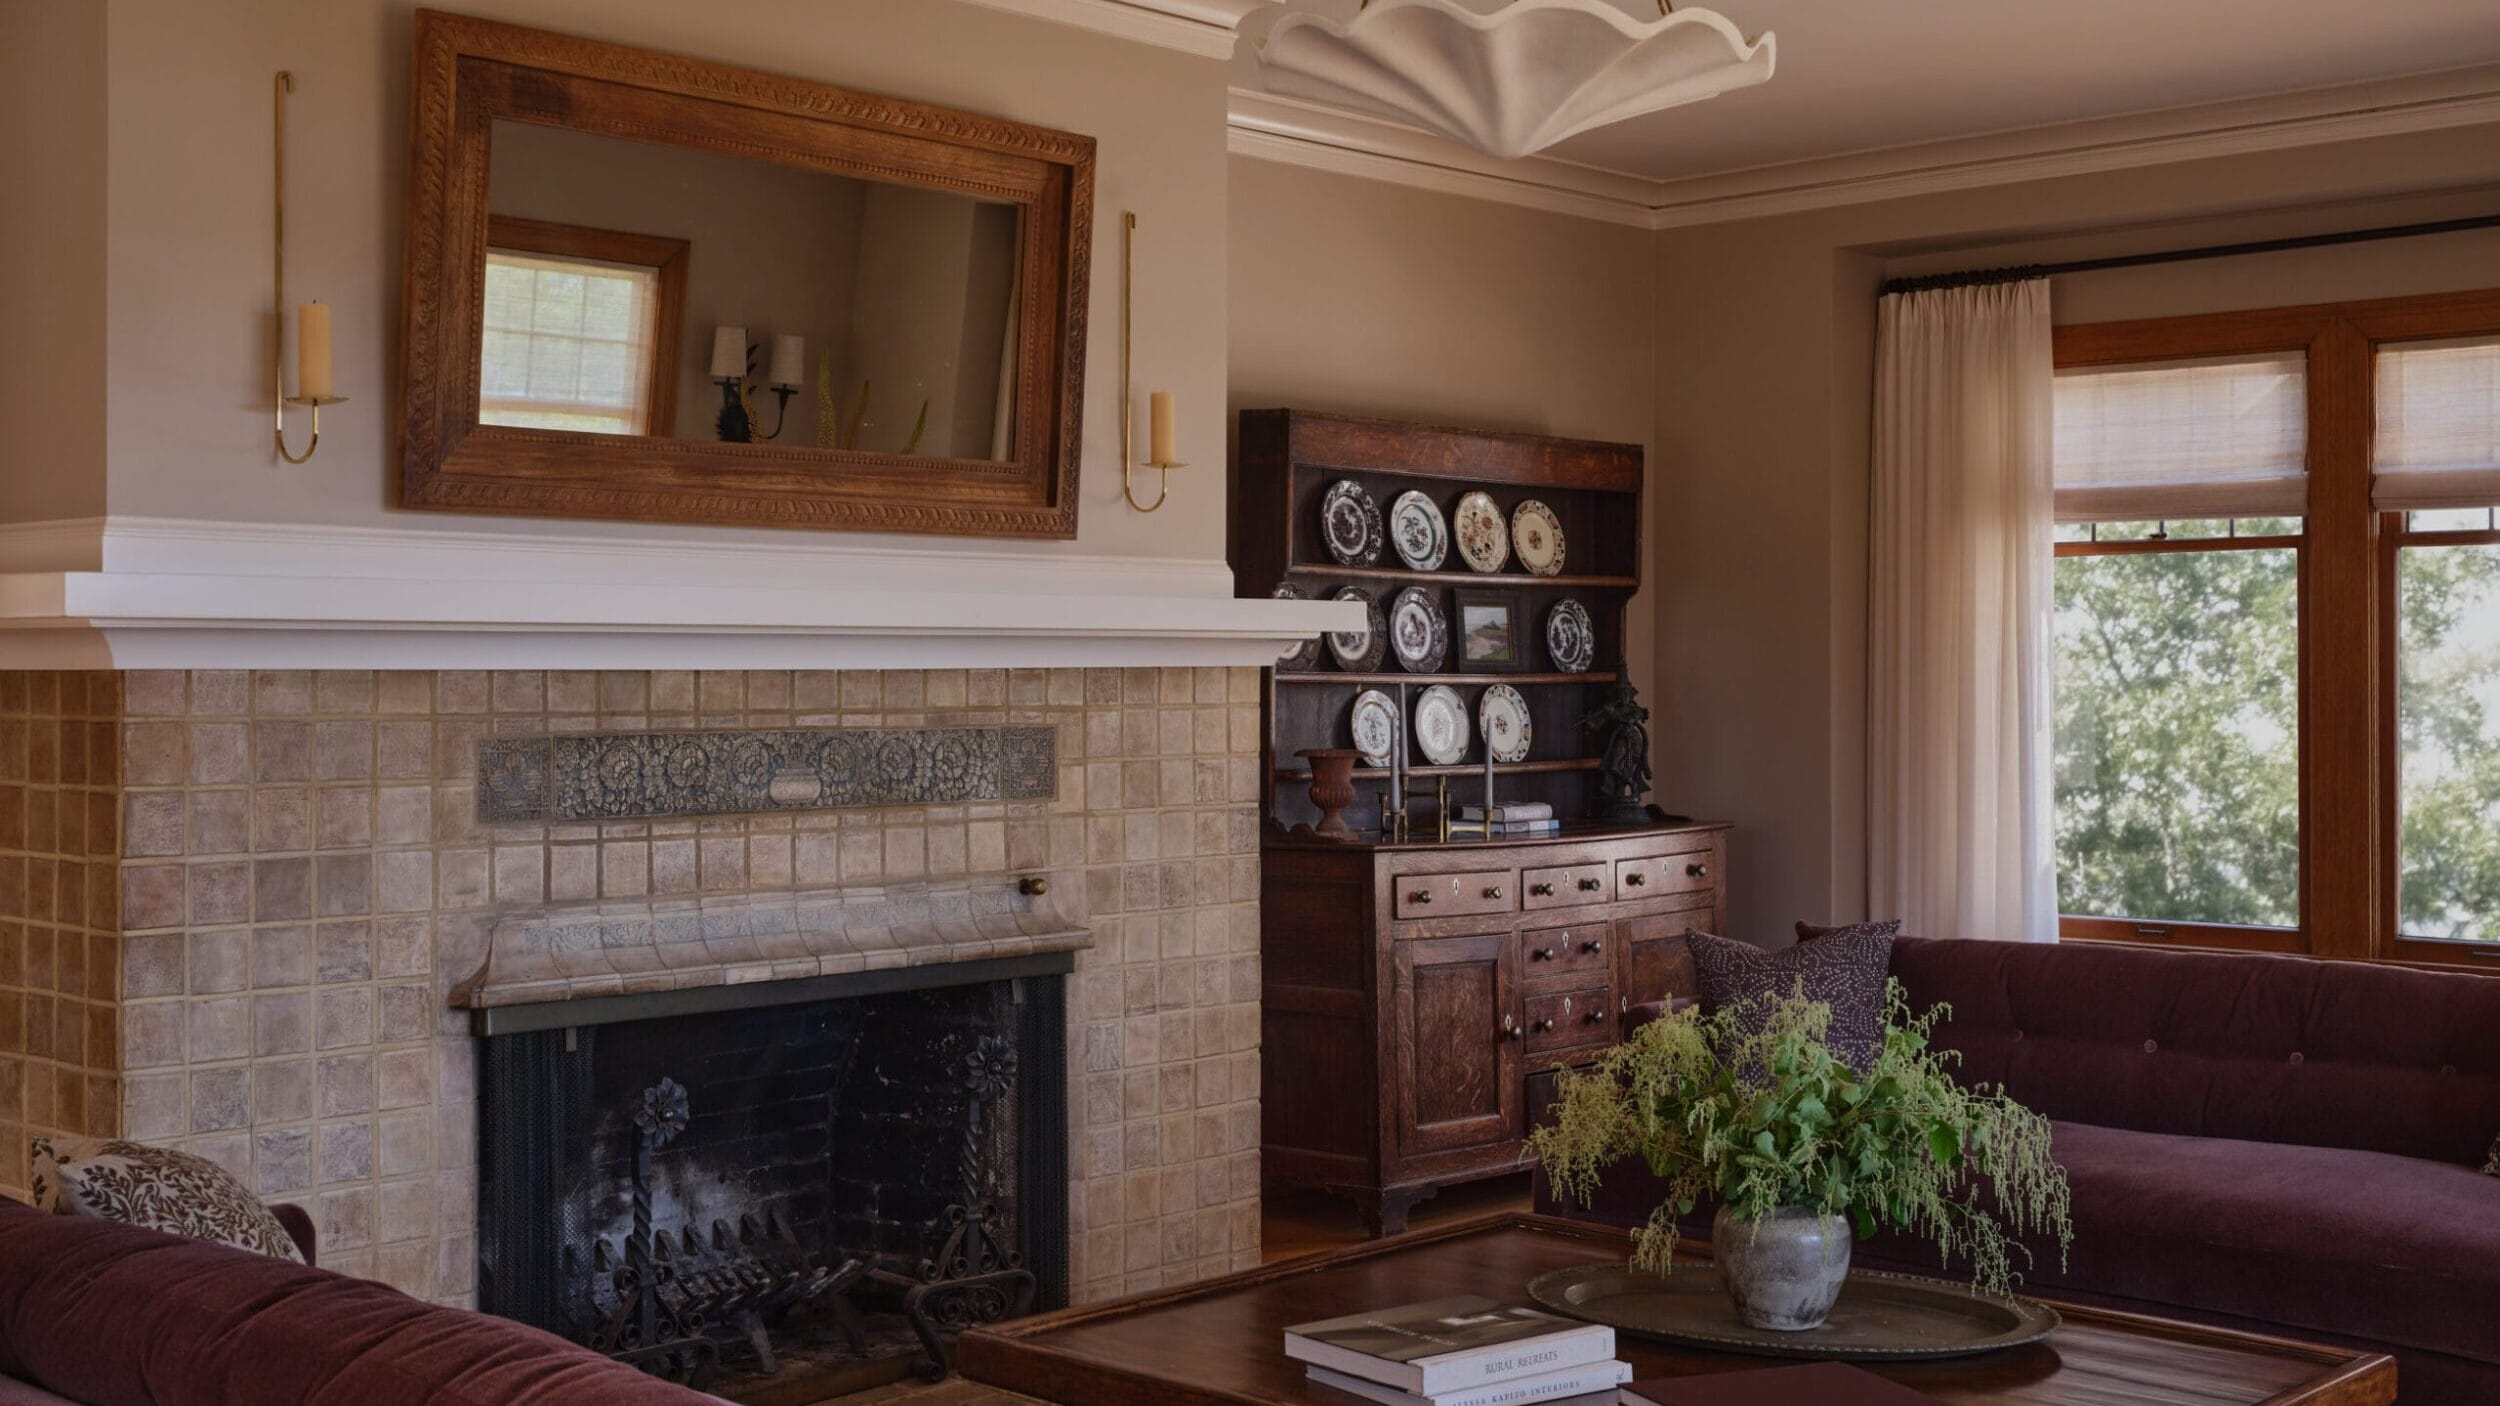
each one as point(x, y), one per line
point(2018, 273)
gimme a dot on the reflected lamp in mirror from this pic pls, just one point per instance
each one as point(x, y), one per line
point(908, 281)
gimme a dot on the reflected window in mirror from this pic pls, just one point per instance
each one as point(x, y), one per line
point(580, 329)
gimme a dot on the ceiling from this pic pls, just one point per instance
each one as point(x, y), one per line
point(1857, 76)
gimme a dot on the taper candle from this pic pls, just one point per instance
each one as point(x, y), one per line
point(1162, 437)
point(789, 360)
point(729, 353)
point(313, 380)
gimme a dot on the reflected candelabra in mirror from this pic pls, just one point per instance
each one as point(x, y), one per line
point(576, 207)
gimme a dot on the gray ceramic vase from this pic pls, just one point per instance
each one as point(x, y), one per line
point(1783, 1271)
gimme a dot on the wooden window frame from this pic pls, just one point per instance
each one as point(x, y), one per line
point(2347, 671)
point(608, 246)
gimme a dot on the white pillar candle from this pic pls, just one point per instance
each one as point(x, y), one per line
point(729, 353)
point(313, 379)
point(1163, 436)
point(789, 360)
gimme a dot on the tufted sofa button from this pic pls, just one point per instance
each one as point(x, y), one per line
point(2447, 1071)
point(2016, 1037)
point(2152, 1047)
point(2298, 1057)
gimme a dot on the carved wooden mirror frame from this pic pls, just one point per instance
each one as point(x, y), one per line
point(470, 72)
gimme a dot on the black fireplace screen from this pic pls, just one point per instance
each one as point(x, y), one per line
point(709, 1193)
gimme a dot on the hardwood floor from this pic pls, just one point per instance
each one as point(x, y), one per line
point(1298, 1224)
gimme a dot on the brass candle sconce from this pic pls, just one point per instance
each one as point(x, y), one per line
point(314, 384)
point(1160, 437)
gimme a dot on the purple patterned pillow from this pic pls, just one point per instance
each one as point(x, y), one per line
point(1809, 932)
point(2491, 1167)
point(1845, 970)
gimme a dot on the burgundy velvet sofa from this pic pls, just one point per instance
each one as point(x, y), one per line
point(2277, 1144)
point(103, 1314)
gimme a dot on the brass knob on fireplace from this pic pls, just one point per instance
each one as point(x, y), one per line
point(1034, 885)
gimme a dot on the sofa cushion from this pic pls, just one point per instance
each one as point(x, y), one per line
point(2397, 1250)
point(115, 1315)
point(157, 1187)
point(1845, 970)
point(2226, 1044)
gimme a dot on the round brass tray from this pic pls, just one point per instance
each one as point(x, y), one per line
point(1880, 1317)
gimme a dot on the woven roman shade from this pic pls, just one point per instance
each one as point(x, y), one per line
point(2438, 442)
point(2177, 440)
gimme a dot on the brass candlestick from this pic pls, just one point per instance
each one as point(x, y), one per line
point(277, 339)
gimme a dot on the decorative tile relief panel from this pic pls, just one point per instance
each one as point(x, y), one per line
point(307, 870)
point(648, 775)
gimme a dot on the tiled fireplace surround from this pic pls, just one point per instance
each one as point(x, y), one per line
point(233, 906)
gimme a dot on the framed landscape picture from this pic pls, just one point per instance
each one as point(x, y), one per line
point(1492, 631)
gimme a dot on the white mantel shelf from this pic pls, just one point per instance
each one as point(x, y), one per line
point(158, 594)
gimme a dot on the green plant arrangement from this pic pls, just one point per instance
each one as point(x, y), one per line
point(1753, 1107)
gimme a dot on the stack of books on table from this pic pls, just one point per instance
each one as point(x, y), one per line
point(1462, 1352)
point(1516, 818)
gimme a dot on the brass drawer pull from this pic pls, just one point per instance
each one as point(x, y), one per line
point(1419, 897)
point(1540, 890)
point(1593, 946)
point(1543, 954)
point(1543, 1024)
point(1698, 871)
point(1591, 885)
point(1635, 879)
point(1494, 892)
point(1510, 1026)
point(1596, 1016)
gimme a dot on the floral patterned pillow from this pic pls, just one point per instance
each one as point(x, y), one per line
point(156, 1187)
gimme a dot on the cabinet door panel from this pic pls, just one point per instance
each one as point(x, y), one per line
point(1457, 1046)
point(1656, 964)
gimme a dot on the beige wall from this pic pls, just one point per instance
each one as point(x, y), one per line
point(52, 260)
point(1353, 296)
point(1765, 370)
point(188, 246)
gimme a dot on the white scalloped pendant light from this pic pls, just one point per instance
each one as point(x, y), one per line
point(1514, 80)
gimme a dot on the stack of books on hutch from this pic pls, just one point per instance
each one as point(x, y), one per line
point(1516, 818)
point(1462, 1352)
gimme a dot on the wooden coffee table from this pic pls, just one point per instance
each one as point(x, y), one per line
point(1220, 1343)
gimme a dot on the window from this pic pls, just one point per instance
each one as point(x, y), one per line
point(580, 329)
point(2177, 638)
point(2437, 466)
point(2278, 629)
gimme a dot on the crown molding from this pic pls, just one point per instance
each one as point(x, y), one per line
point(1265, 127)
point(132, 593)
point(1206, 28)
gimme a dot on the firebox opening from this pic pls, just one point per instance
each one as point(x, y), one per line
point(779, 1201)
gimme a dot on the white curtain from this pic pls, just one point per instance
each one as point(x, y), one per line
point(1959, 704)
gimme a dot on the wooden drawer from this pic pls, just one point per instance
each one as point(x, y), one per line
point(1561, 1020)
point(1572, 951)
point(1565, 885)
point(1695, 871)
point(1454, 895)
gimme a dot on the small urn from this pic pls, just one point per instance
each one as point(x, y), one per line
point(1332, 788)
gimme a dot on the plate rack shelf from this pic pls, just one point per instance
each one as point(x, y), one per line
point(1286, 462)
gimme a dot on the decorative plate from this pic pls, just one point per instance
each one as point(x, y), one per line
point(1483, 538)
point(1419, 635)
point(1503, 715)
point(1570, 639)
point(1879, 1317)
point(1305, 654)
point(1441, 725)
point(1538, 535)
point(1359, 651)
point(1417, 531)
point(1349, 523)
point(1375, 720)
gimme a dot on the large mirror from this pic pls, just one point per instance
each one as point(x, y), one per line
point(645, 287)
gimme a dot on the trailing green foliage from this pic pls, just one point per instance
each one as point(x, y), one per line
point(1774, 1118)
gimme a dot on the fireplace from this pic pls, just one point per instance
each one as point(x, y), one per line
point(776, 1187)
